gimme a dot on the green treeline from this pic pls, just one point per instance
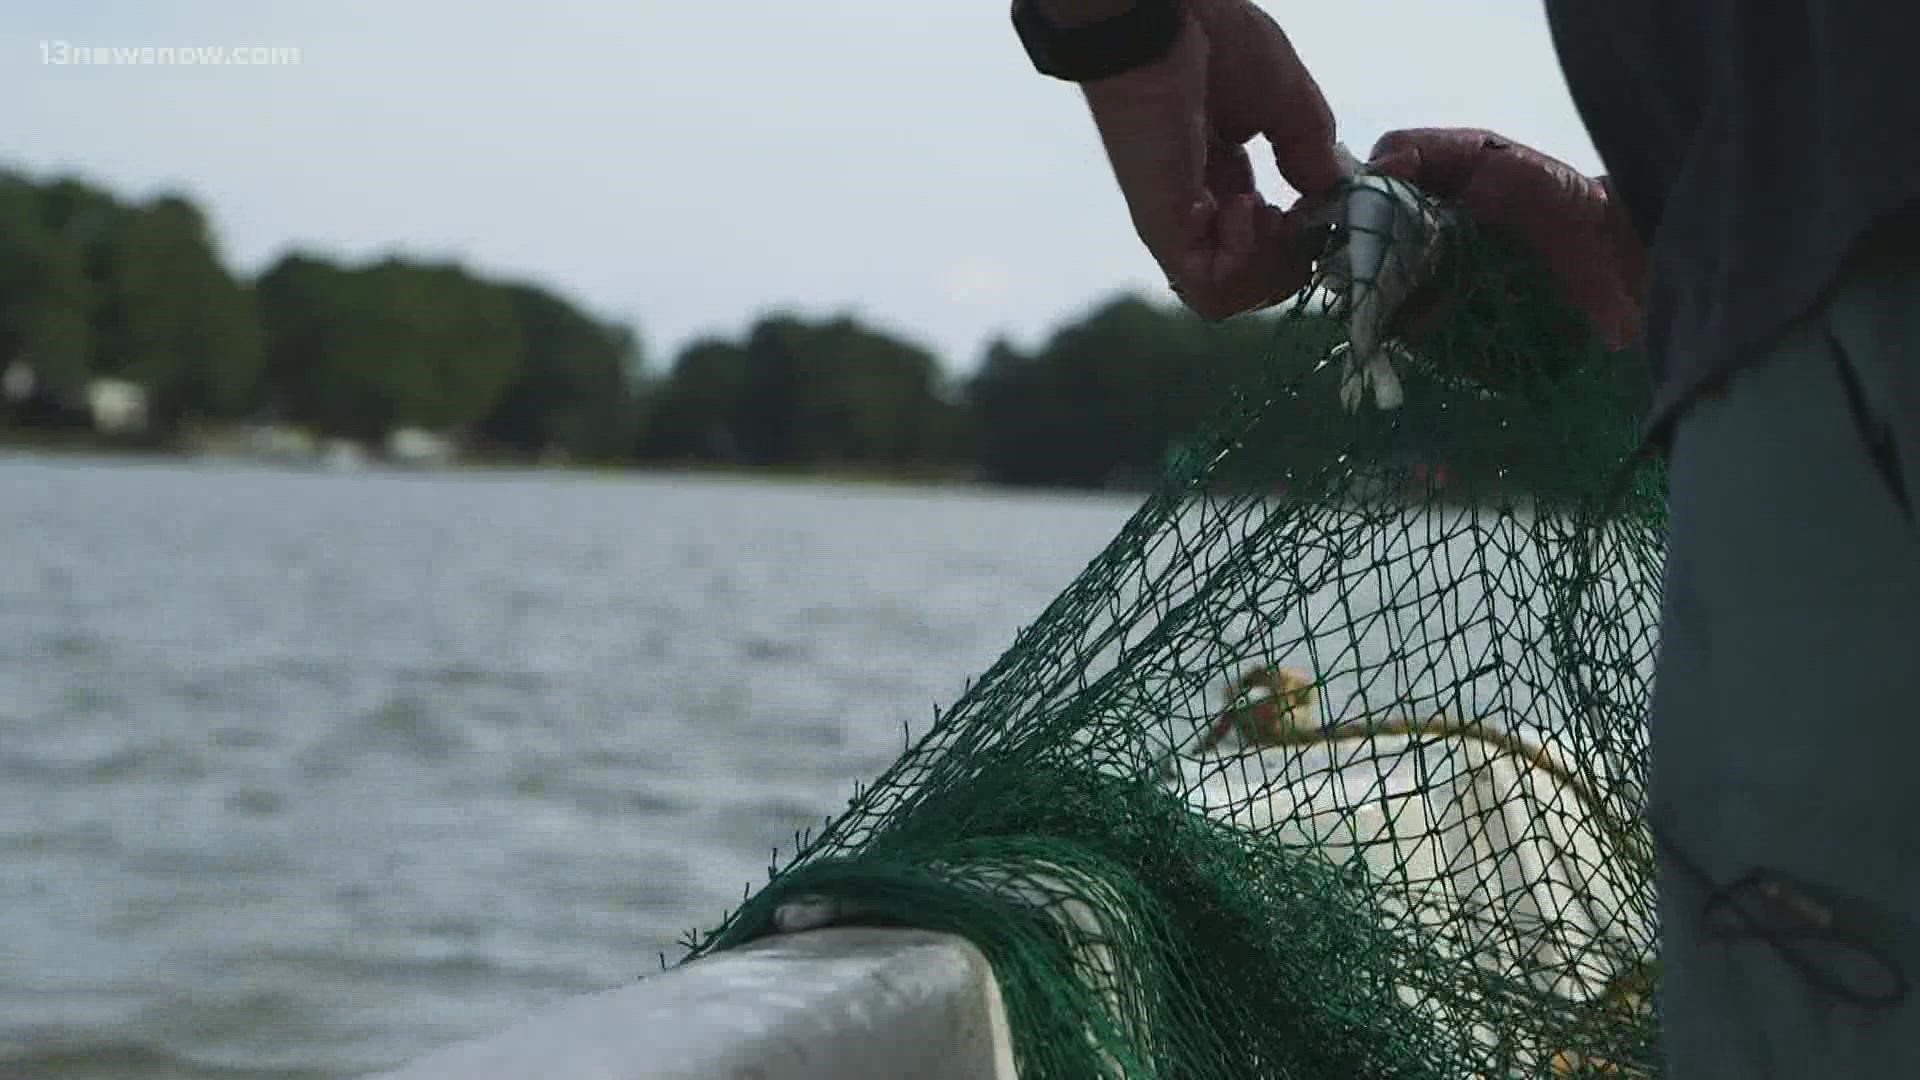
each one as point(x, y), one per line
point(96, 287)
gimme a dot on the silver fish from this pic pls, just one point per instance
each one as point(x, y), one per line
point(1391, 240)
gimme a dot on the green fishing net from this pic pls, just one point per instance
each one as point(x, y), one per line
point(1429, 861)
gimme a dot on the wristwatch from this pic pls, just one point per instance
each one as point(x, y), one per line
point(1145, 32)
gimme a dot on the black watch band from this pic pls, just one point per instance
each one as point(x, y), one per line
point(1146, 32)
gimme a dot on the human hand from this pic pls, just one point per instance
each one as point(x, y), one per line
point(1571, 223)
point(1175, 132)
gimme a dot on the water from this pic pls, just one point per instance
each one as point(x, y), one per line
point(302, 775)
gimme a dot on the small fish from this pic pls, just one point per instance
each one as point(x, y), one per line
point(1391, 240)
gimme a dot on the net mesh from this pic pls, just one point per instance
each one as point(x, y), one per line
point(1331, 763)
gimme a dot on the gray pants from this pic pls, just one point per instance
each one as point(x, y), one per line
point(1786, 715)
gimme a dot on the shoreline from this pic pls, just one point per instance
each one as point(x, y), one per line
point(78, 449)
point(948, 480)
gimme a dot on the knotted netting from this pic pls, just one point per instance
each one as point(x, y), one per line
point(1331, 763)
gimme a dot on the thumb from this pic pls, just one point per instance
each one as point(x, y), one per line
point(1443, 162)
point(1400, 160)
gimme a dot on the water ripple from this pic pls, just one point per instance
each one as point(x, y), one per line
point(302, 775)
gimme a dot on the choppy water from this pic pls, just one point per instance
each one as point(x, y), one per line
point(302, 775)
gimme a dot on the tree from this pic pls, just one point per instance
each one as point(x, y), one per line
point(451, 342)
point(823, 393)
point(1101, 400)
point(171, 318)
point(361, 351)
point(45, 298)
point(1014, 408)
point(691, 415)
point(835, 393)
point(574, 390)
point(1110, 395)
point(299, 298)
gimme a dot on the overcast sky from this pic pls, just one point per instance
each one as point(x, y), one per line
point(686, 164)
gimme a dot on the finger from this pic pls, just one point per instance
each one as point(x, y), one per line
point(1287, 246)
point(1440, 161)
point(1299, 124)
point(1315, 212)
point(1252, 255)
point(1511, 186)
point(1236, 234)
point(1306, 158)
point(1400, 160)
point(1264, 257)
point(1229, 171)
point(1212, 277)
point(1262, 88)
point(1153, 126)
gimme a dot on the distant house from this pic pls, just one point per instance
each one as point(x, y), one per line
point(28, 401)
point(17, 384)
point(342, 455)
point(119, 407)
point(412, 446)
point(274, 442)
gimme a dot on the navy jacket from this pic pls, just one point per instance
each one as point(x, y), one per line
point(1756, 144)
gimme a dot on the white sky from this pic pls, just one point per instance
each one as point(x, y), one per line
point(687, 164)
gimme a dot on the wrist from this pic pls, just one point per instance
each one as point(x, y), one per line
point(1090, 41)
point(1068, 14)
